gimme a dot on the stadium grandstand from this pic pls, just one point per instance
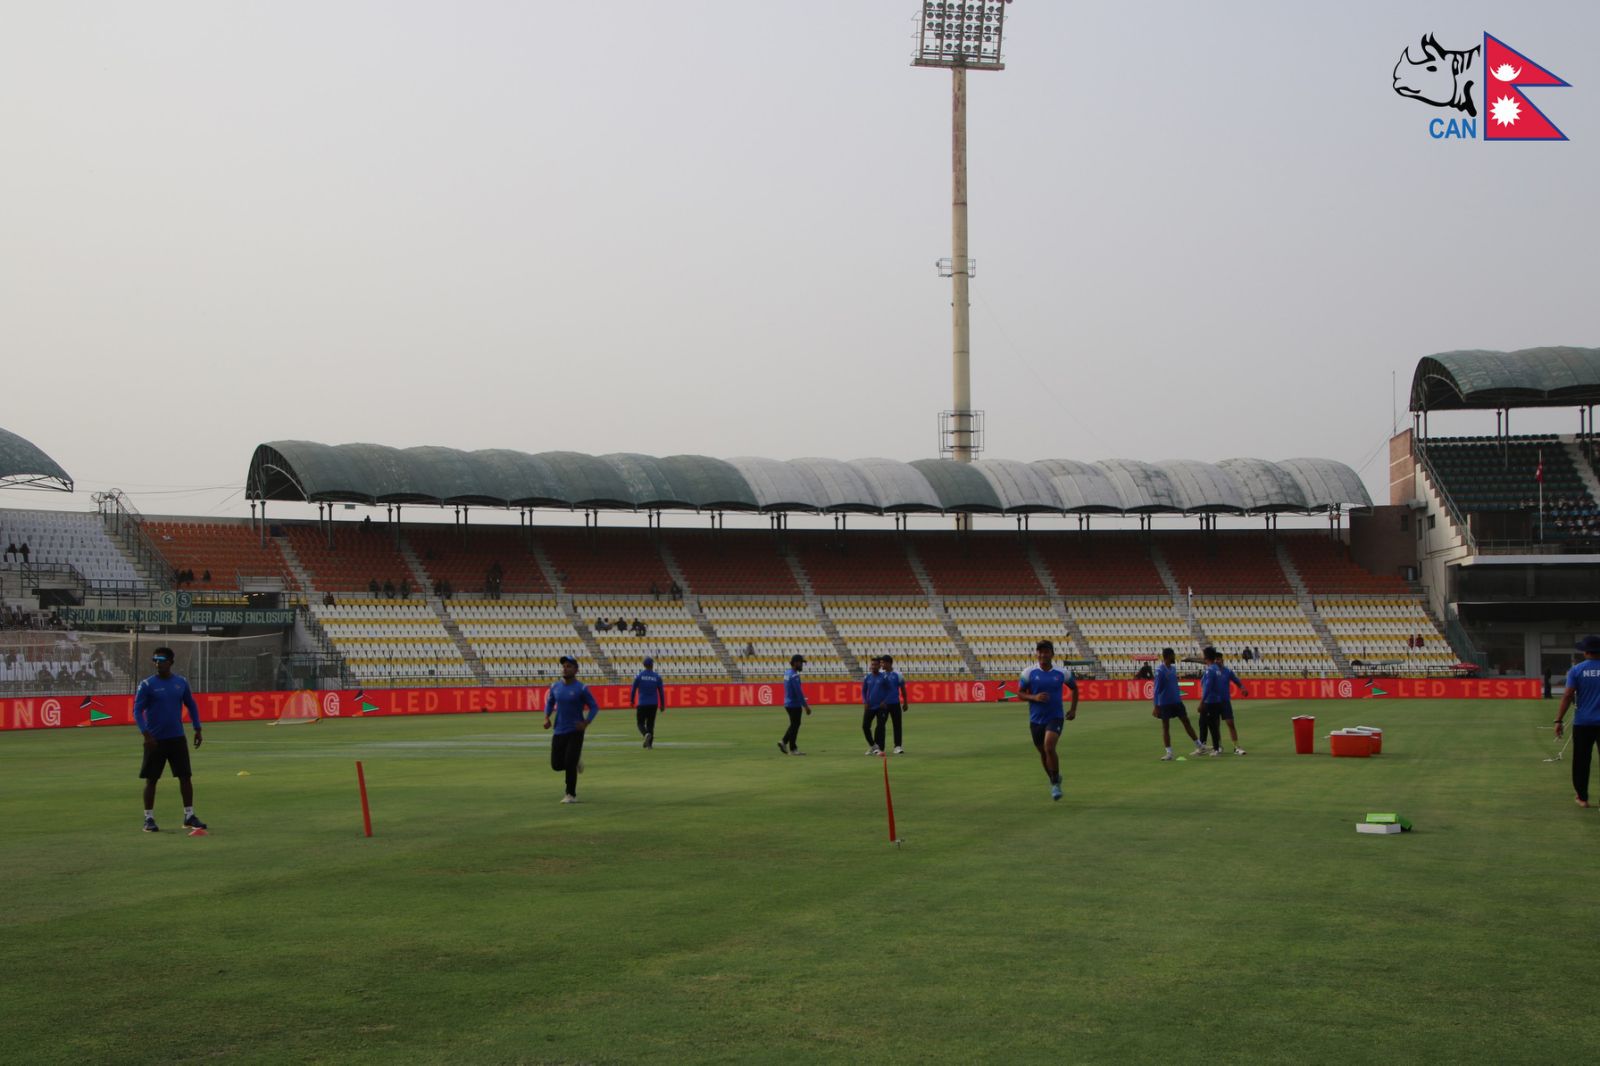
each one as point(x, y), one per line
point(1488, 542)
point(384, 599)
point(1505, 527)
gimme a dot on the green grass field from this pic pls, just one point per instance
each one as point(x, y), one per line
point(715, 901)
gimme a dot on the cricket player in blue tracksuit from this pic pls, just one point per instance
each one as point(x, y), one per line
point(1169, 704)
point(158, 712)
point(1216, 703)
point(872, 705)
point(894, 703)
point(794, 702)
point(1042, 686)
point(568, 697)
point(648, 695)
point(1583, 689)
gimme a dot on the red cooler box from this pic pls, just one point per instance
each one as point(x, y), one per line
point(1305, 737)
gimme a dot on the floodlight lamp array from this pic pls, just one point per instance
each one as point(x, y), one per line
point(960, 33)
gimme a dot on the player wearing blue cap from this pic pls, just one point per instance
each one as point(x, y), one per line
point(1583, 689)
point(568, 697)
point(648, 695)
point(1169, 704)
point(1042, 686)
point(158, 712)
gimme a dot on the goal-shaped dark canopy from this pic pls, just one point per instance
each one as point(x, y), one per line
point(24, 465)
point(375, 474)
point(1483, 380)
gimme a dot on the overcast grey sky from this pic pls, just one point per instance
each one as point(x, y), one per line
point(1202, 231)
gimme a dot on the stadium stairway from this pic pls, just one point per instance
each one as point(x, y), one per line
point(564, 598)
point(296, 567)
point(1058, 604)
point(419, 574)
point(469, 654)
point(941, 611)
point(691, 602)
point(1309, 606)
point(814, 602)
point(1180, 600)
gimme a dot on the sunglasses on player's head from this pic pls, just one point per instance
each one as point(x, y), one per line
point(160, 658)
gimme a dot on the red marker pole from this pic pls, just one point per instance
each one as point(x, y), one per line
point(888, 799)
point(366, 812)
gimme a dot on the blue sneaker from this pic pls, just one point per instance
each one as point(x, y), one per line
point(192, 822)
point(150, 826)
point(1055, 792)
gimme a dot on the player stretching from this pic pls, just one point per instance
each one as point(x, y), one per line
point(568, 697)
point(794, 701)
point(1583, 687)
point(894, 702)
point(158, 712)
point(1041, 686)
point(648, 695)
point(870, 712)
point(1216, 689)
point(1169, 705)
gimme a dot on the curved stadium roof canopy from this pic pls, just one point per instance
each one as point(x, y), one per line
point(1484, 380)
point(22, 464)
point(375, 474)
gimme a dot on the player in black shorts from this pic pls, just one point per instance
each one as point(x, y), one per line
point(158, 712)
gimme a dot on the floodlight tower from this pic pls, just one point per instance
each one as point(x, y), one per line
point(961, 35)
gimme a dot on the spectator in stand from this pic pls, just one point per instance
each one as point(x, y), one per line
point(637, 628)
point(601, 625)
point(620, 625)
point(372, 586)
point(23, 549)
point(327, 599)
point(655, 591)
point(676, 590)
point(45, 678)
point(11, 549)
point(405, 589)
point(206, 577)
point(388, 589)
point(749, 649)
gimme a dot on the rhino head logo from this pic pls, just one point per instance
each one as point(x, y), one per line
point(1441, 77)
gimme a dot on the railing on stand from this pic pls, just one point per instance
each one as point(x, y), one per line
point(123, 521)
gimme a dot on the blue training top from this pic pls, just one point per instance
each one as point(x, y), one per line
point(1584, 680)
point(568, 702)
point(871, 690)
point(793, 694)
point(1036, 680)
point(1215, 682)
point(647, 690)
point(158, 706)
point(894, 687)
point(1167, 685)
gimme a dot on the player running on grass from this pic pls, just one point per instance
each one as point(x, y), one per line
point(871, 702)
point(1583, 688)
point(1169, 704)
point(794, 701)
point(568, 697)
point(158, 712)
point(1216, 688)
point(648, 696)
point(1041, 686)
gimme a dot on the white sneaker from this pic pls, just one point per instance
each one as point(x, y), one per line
point(1214, 752)
point(1167, 757)
point(874, 750)
point(783, 746)
point(898, 750)
point(569, 798)
point(1238, 751)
